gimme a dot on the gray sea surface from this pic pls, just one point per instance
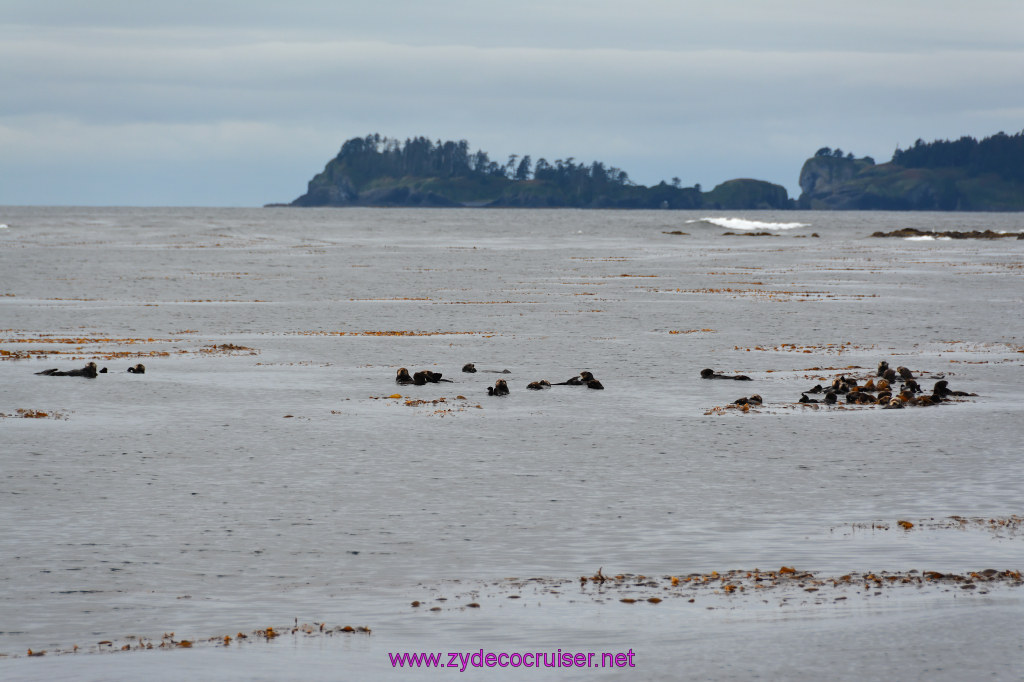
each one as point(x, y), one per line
point(262, 473)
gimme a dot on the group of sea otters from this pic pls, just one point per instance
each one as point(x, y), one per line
point(89, 371)
point(500, 386)
point(882, 391)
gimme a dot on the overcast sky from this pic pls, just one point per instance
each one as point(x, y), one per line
point(241, 102)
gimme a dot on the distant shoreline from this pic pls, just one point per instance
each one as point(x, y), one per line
point(375, 171)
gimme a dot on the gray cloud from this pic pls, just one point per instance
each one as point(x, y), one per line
point(250, 99)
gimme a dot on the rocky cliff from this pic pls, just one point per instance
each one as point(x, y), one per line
point(831, 183)
point(822, 177)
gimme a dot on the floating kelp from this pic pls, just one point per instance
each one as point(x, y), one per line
point(228, 349)
point(169, 641)
point(25, 413)
point(772, 295)
point(443, 406)
point(732, 588)
point(1008, 526)
point(84, 348)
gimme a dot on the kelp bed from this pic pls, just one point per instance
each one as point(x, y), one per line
point(168, 640)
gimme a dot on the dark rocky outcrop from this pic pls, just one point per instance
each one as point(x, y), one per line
point(908, 232)
point(747, 194)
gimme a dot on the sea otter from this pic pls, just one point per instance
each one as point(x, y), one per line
point(860, 398)
point(403, 377)
point(752, 400)
point(905, 373)
point(89, 371)
point(882, 367)
point(840, 384)
point(137, 369)
point(538, 385)
point(469, 367)
point(894, 404)
point(500, 388)
point(941, 389)
point(433, 377)
point(889, 375)
point(712, 374)
point(582, 379)
point(578, 380)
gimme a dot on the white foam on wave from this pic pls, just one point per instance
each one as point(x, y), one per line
point(927, 238)
point(743, 224)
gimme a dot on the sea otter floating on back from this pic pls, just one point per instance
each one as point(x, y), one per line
point(582, 379)
point(470, 368)
point(429, 377)
point(419, 378)
point(89, 371)
point(712, 374)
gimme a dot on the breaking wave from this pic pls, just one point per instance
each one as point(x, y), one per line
point(743, 224)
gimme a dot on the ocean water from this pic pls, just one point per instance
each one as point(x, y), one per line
point(260, 473)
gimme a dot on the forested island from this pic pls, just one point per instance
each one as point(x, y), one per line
point(381, 171)
point(961, 175)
